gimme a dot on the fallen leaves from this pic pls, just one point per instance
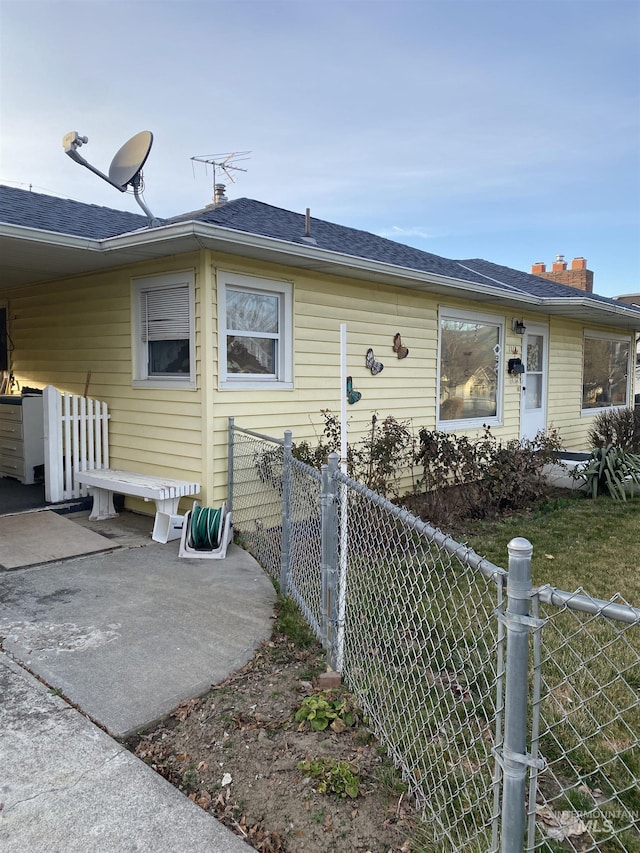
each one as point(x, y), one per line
point(184, 709)
point(560, 825)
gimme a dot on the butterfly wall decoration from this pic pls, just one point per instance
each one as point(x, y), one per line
point(352, 396)
point(374, 366)
point(400, 350)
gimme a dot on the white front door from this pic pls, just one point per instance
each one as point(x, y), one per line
point(533, 412)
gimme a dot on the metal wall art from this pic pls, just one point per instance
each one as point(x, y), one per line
point(400, 350)
point(352, 396)
point(374, 366)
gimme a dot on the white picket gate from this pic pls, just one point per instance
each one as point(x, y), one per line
point(75, 439)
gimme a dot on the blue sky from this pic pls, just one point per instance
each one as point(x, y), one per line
point(507, 129)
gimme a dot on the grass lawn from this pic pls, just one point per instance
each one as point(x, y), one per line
point(590, 705)
point(577, 542)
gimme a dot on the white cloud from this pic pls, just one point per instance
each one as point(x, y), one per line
point(401, 234)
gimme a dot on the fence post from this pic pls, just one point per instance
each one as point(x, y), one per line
point(329, 556)
point(515, 759)
point(53, 470)
point(285, 545)
point(230, 439)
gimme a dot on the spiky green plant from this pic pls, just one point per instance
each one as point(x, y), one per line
point(612, 470)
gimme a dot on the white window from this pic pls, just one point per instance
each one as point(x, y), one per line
point(255, 321)
point(470, 370)
point(163, 331)
point(605, 371)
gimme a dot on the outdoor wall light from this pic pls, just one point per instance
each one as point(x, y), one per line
point(518, 326)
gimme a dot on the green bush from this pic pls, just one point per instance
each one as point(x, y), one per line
point(617, 428)
point(321, 711)
point(612, 470)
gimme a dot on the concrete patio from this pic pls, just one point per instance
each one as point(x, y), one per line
point(125, 635)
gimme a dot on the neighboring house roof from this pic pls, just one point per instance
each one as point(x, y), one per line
point(44, 236)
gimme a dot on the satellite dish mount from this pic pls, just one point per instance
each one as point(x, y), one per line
point(126, 167)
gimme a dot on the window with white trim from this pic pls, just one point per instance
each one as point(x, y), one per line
point(255, 319)
point(605, 370)
point(469, 369)
point(163, 330)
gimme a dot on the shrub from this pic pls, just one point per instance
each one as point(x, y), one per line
point(322, 710)
point(617, 428)
point(328, 443)
point(378, 460)
point(488, 476)
point(485, 475)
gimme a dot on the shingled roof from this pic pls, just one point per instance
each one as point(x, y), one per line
point(531, 284)
point(63, 216)
point(257, 217)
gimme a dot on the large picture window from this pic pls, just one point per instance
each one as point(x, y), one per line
point(163, 330)
point(255, 331)
point(470, 360)
point(605, 373)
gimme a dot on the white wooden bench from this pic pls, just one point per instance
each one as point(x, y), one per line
point(103, 483)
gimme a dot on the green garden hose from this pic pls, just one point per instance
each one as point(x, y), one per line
point(205, 528)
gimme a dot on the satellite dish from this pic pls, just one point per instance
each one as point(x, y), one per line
point(126, 167)
point(130, 159)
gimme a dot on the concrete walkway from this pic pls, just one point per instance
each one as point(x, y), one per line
point(126, 636)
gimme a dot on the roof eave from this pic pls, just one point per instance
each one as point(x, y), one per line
point(567, 305)
point(315, 259)
point(51, 238)
point(175, 238)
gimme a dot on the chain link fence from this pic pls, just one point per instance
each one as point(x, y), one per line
point(586, 662)
point(458, 664)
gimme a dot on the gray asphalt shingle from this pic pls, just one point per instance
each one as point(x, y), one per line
point(63, 216)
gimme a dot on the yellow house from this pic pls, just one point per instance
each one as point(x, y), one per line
point(235, 310)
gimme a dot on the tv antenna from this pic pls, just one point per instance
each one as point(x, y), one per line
point(126, 167)
point(225, 162)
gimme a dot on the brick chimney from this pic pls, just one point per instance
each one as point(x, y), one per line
point(578, 276)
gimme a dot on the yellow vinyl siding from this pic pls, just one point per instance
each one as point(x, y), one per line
point(405, 389)
point(61, 330)
point(565, 382)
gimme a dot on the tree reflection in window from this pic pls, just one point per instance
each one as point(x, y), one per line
point(469, 353)
point(605, 372)
point(253, 331)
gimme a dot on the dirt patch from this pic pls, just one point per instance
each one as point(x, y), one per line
point(457, 511)
point(240, 754)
